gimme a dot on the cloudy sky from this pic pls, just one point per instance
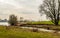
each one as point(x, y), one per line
point(28, 9)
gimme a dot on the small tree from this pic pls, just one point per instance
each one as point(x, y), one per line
point(21, 19)
point(13, 20)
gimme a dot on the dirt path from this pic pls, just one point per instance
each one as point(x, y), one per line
point(41, 29)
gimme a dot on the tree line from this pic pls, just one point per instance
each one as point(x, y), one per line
point(14, 21)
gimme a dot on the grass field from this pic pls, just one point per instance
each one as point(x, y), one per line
point(41, 22)
point(17, 32)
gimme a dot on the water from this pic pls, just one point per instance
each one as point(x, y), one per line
point(4, 23)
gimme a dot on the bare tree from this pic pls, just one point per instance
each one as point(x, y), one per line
point(52, 10)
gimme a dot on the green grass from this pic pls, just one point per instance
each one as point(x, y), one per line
point(17, 32)
point(41, 22)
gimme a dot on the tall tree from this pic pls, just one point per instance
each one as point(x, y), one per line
point(52, 10)
point(13, 20)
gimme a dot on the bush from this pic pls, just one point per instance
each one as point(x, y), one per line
point(35, 30)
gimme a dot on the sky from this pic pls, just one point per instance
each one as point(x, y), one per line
point(28, 9)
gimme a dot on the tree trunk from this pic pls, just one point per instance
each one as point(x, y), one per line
point(56, 22)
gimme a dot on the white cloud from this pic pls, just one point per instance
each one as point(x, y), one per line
point(25, 8)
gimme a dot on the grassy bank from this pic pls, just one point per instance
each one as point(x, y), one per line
point(17, 32)
point(40, 22)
